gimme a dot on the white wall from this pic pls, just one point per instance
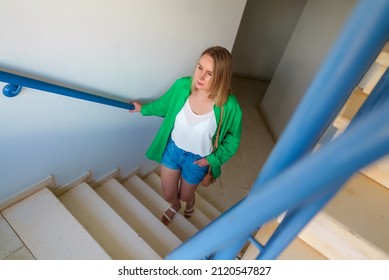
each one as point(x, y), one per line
point(316, 31)
point(263, 35)
point(130, 50)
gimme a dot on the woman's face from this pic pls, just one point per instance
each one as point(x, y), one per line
point(203, 73)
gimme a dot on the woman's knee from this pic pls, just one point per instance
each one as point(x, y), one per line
point(187, 195)
point(170, 194)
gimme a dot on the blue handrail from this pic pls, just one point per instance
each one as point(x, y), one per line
point(16, 82)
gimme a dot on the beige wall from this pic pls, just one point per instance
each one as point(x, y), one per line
point(128, 49)
point(316, 31)
point(264, 32)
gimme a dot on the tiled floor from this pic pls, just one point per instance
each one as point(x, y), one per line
point(237, 175)
point(11, 247)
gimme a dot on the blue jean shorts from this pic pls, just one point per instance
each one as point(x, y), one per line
point(178, 159)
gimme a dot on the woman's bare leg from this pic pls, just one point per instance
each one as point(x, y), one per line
point(170, 191)
point(187, 194)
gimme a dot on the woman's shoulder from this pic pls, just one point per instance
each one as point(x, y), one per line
point(184, 81)
point(232, 106)
point(232, 101)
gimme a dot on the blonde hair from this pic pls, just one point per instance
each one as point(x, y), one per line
point(221, 77)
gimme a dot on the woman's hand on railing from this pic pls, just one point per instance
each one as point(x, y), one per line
point(137, 107)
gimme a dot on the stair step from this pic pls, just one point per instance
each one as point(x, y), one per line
point(350, 108)
point(354, 225)
point(383, 57)
point(379, 171)
point(297, 249)
point(151, 229)
point(337, 242)
point(363, 210)
point(181, 227)
point(49, 231)
point(199, 218)
point(118, 239)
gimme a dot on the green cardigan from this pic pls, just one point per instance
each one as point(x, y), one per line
point(170, 104)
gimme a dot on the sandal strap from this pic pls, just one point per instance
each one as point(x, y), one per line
point(193, 207)
point(188, 213)
point(189, 210)
point(167, 217)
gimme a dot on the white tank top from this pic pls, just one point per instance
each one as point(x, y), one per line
point(193, 133)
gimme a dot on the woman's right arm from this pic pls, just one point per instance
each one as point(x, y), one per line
point(161, 106)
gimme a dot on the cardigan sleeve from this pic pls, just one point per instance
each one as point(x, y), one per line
point(159, 107)
point(167, 106)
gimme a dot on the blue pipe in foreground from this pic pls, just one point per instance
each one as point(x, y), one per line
point(375, 98)
point(16, 82)
point(235, 248)
point(310, 178)
point(296, 219)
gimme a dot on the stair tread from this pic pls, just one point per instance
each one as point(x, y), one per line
point(151, 229)
point(351, 107)
point(50, 231)
point(297, 249)
point(181, 227)
point(118, 239)
point(383, 57)
point(337, 242)
point(361, 206)
point(204, 211)
point(379, 171)
point(354, 224)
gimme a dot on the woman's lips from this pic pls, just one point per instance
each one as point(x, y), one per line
point(199, 84)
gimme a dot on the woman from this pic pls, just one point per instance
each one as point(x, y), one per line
point(192, 113)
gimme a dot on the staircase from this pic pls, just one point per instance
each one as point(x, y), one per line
point(111, 220)
point(120, 219)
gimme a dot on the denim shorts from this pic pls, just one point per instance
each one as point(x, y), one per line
point(178, 159)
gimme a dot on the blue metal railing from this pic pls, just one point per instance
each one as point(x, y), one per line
point(296, 219)
point(17, 82)
point(293, 179)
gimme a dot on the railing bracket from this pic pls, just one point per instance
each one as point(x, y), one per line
point(11, 90)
